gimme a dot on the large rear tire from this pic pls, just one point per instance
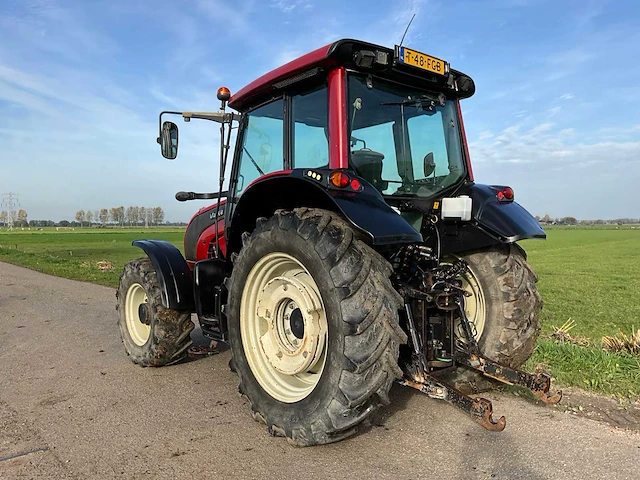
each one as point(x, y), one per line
point(313, 326)
point(152, 334)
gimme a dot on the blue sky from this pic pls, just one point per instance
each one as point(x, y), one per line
point(556, 113)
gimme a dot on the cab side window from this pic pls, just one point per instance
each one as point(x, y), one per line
point(310, 135)
point(262, 147)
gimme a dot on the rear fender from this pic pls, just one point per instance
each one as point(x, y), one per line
point(174, 276)
point(365, 209)
point(509, 222)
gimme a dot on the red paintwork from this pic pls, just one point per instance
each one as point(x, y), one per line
point(277, 173)
point(464, 140)
point(339, 143)
point(317, 58)
point(207, 237)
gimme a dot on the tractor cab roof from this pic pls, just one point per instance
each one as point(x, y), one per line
point(399, 64)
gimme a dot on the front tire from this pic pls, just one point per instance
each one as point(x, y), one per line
point(309, 262)
point(152, 334)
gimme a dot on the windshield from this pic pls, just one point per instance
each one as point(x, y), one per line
point(403, 141)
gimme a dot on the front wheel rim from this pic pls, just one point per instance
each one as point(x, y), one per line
point(283, 327)
point(137, 307)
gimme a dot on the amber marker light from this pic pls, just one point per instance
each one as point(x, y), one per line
point(339, 179)
point(224, 94)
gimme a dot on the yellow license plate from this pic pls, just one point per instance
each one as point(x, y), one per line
point(423, 61)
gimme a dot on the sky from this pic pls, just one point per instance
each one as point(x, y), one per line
point(556, 114)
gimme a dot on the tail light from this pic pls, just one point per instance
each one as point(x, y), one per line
point(505, 194)
point(339, 179)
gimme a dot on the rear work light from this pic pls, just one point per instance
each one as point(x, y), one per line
point(505, 195)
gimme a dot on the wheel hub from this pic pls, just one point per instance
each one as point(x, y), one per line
point(295, 335)
point(297, 323)
point(143, 314)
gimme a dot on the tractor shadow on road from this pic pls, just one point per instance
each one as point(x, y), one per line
point(202, 347)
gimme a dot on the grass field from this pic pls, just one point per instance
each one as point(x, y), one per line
point(76, 253)
point(591, 276)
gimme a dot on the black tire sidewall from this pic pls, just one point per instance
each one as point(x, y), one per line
point(289, 242)
point(170, 329)
point(488, 266)
point(135, 276)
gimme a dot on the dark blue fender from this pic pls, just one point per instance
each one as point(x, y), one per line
point(508, 221)
point(365, 209)
point(173, 273)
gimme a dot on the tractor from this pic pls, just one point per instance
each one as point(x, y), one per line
point(351, 249)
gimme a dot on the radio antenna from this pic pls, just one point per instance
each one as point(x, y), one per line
point(407, 29)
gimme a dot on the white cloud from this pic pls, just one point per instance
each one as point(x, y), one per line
point(553, 111)
point(561, 172)
point(540, 145)
point(289, 6)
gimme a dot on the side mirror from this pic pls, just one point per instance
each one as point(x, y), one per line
point(168, 140)
point(429, 164)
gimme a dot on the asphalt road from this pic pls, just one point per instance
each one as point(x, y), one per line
point(70, 396)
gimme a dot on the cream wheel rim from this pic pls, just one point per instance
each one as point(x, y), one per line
point(283, 327)
point(475, 307)
point(137, 314)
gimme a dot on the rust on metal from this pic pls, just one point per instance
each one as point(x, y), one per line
point(539, 383)
point(479, 409)
point(482, 413)
point(201, 351)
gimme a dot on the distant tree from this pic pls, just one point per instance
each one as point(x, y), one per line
point(113, 214)
point(80, 216)
point(130, 216)
point(41, 223)
point(569, 221)
point(88, 216)
point(96, 216)
point(120, 213)
point(158, 215)
point(104, 216)
point(538, 218)
point(63, 223)
point(22, 218)
point(135, 215)
point(3, 217)
point(546, 218)
point(142, 214)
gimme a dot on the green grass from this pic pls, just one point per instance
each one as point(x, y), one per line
point(588, 368)
point(591, 275)
point(75, 253)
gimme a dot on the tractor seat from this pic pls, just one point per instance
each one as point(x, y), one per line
point(368, 164)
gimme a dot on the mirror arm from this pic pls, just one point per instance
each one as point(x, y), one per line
point(218, 117)
point(184, 196)
point(213, 116)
